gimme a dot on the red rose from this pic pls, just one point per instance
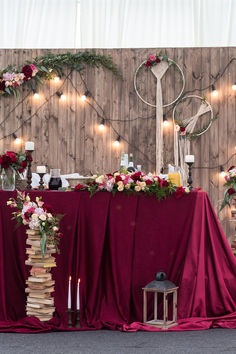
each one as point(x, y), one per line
point(118, 178)
point(48, 208)
point(179, 192)
point(148, 182)
point(12, 155)
point(148, 63)
point(80, 187)
point(5, 161)
point(2, 85)
point(136, 176)
point(182, 129)
point(60, 234)
point(157, 60)
point(109, 175)
point(231, 167)
point(27, 71)
point(231, 191)
point(164, 183)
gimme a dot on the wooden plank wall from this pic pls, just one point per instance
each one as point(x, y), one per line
point(66, 133)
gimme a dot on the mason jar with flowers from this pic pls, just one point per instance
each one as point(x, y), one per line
point(12, 163)
point(230, 184)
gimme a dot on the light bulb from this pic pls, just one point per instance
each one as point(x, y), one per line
point(56, 79)
point(222, 172)
point(17, 141)
point(234, 86)
point(63, 97)
point(102, 125)
point(166, 123)
point(83, 98)
point(214, 92)
point(36, 95)
point(116, 143)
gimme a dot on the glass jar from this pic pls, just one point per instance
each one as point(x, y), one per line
point(8, 179)
point(55, 180)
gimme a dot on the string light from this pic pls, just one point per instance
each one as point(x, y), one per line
point(214, 92)
point(85, 95)
point(17, 140)
point(222, 172)
point(56, 79)
point(61, 95)
point(36, 95)
point(102, 125)
point(234, 86)
point(117, 141)
point(165, 121)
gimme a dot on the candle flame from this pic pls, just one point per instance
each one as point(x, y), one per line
point(70, 278)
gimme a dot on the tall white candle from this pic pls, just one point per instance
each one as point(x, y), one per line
point(189, 158)
point(77, 300)
point(41, 169)
point(29, 145)
point(69, 293)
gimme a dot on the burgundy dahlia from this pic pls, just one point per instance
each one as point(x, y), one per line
point(27, 71)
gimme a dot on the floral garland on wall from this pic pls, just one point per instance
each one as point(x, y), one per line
point(47, 67)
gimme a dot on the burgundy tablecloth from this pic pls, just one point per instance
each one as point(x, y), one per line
point(115, 244)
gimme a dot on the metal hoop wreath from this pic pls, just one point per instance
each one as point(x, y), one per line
point(210, 121)
point(153, 105)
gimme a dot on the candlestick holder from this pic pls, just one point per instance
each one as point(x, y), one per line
point(41, 182)
point(29, 173)
point(190, 181)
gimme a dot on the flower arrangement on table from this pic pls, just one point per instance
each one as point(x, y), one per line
point(12, 162)
point(230, 185)
point(37, 215)
point(132, 183)
point(15, 161)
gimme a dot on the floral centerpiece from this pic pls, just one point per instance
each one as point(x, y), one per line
point(38, 216)
point(230, 185)
point(10, 163)
point(124, 181)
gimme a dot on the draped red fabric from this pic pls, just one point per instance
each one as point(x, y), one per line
point(115, 245)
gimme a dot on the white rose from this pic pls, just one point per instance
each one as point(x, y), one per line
point(177, 127)
point(49, 216)
point(116, 174)
point(55, 228)
point(137, 188)
point(142, 184)
point(9, 202)
point(120, 183)
point(122, 177)
point(127, 186)
point(34, 216)
point(155, 179)
point(42, 217)
point(187, 190)
point(120, 187)
point(100, 179)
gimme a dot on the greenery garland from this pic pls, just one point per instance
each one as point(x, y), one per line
point(46, 67)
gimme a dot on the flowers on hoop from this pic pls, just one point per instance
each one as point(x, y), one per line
point(37, 215)
point(134, 182)
point(15, 161)
point(230, 185)
point(153, 60)
point(181, 129)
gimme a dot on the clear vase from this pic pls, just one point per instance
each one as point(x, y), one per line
point(8, 180)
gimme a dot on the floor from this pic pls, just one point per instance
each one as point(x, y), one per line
point(211, 341)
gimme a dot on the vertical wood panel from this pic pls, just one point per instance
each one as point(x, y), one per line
point(66, 134)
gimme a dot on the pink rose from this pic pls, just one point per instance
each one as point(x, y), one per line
point(33, 67)
point(152, 57)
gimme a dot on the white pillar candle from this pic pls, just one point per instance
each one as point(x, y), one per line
point(29, 145)
point(77, 301)
point(69, 293)
point(41, 169)
point(189, 158)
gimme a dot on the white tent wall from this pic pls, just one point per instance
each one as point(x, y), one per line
point(117, 23)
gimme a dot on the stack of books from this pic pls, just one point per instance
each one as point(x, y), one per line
point(40, 302)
